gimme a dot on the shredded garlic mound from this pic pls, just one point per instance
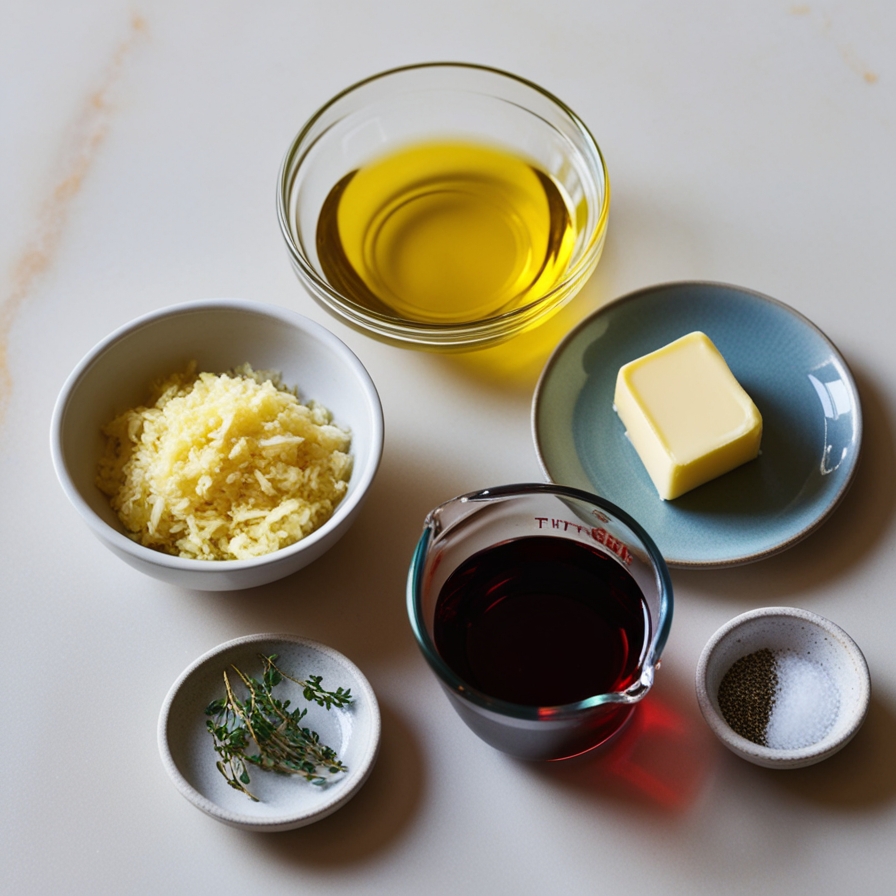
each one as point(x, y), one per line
point(224, 466)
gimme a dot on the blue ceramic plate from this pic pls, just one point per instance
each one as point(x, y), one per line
point(812, 421)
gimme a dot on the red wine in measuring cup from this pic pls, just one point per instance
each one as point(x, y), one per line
point(542, 621)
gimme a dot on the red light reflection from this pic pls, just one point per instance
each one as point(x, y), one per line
point(662, 758)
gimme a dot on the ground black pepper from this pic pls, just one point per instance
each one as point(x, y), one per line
point(747, 694)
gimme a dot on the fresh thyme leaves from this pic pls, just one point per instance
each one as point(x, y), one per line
point(284, 745)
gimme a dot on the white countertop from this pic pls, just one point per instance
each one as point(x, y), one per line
point(140, 146)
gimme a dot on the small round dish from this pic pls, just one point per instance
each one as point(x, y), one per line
point(219, 334)
point(285, 802)
point(812, 421)
point(432, 103)
point(821, 685)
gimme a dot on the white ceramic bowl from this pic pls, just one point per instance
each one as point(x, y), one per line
point(820, 646)
point(285, 802)
point(219, 334)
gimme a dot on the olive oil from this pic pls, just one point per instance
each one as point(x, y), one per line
point(446, 232)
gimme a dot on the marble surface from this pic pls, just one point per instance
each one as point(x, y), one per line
point(140, 144)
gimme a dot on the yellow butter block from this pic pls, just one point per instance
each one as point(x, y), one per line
point(686, 415)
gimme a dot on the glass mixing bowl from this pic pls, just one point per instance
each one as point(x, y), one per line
point(445, 102)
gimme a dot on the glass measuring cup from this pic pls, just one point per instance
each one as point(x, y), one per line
point(460, 535)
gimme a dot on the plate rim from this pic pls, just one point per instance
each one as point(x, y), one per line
point(287, 820)
point(752, 294)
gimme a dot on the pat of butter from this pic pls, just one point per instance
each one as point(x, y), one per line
point(686, 415)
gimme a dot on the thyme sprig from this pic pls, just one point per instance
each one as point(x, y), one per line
point(284, 745)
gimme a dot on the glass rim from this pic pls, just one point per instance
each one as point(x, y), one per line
point(448, 677)
point(405, 330)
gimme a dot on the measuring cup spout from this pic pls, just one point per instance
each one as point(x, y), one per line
point(449, 514)
point(638, 690)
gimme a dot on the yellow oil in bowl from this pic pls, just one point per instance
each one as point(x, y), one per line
point(446, 232)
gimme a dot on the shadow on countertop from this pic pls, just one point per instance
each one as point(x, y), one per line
point(660, 762)
point(369, 823)
point(857, 528)
point(353, 597)
point(667, 758)
point(861, 776)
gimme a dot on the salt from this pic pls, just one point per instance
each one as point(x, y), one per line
point(805, 704)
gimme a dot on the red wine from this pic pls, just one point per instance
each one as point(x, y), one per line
point(541, 621)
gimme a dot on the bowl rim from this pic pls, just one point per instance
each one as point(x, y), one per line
point(405, 330)
point(286, 316)
point(854, 712)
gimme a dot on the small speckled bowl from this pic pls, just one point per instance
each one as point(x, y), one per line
point(285, 802)
point(807, 635)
